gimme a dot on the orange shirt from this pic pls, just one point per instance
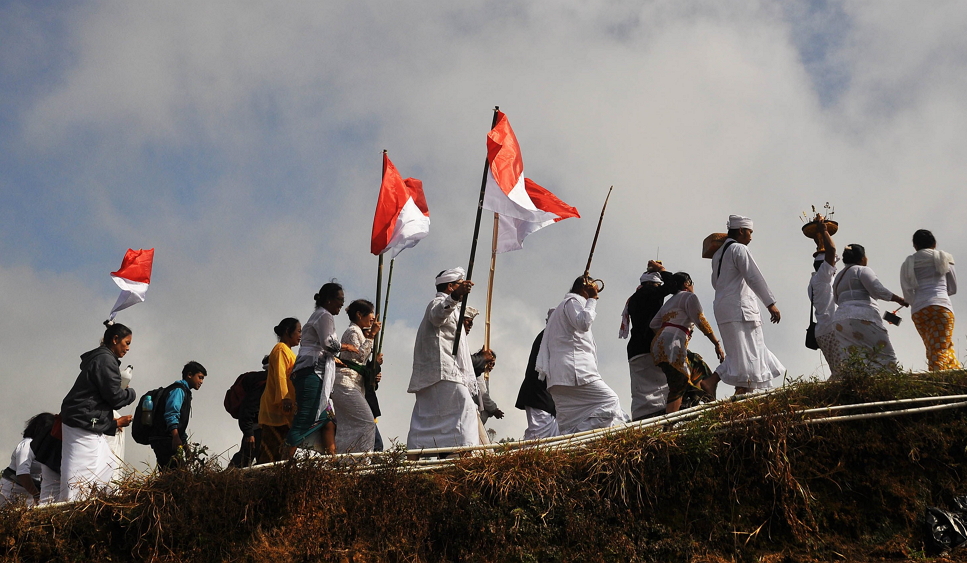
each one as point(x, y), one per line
point(278, 386)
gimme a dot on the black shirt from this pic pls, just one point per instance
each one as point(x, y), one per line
point(642, 308)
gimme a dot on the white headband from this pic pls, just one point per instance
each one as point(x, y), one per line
point(471, 313)
point(653, 277)
point(739, 222)
point(451, 275)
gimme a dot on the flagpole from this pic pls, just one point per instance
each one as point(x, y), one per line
point(473, 246)
point(490, 290)
point(379, 270)
point(389, 284)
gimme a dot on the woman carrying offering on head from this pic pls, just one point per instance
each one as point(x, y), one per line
point(928, 279)
point(673, 326)
point(857, 320)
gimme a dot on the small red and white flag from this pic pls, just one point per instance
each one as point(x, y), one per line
point(133, 278)
point(402, 217)
point(524, 206)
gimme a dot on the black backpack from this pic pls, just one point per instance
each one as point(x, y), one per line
point(144, 428)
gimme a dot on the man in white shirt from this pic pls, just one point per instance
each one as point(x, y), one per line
point(568, 362)
point(748, 364)
point(445, 414)
point(821, 296)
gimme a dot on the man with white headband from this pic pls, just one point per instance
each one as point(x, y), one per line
point(748, 364)
point(649, 386)
point(445, 414)
point(568, 362)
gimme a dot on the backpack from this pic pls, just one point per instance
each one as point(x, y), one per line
point(141, 429)
point(235, 396)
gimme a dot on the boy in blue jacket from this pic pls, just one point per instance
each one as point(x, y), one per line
point(177, 411)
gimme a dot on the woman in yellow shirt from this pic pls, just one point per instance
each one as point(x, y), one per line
point(278, 400)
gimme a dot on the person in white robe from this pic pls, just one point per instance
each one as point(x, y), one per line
point(857, 321)
point(444, 414)
point(568, 362)
point(748, 364)
point(357, 424)
point(820, 293)
point(928, 279)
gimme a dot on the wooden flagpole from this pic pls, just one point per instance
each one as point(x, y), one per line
point(490, 289)
point(382, 332)
point(473, 246)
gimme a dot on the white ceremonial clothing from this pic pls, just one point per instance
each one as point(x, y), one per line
point(356, 428)
point(22, 462)
point(857, 319)
point(649, 387)
point(540, 424)
point(931, 287)
point(86, 461)
point(487, 405)
point(738, 284)
point(433, 359)
point(482, 432)
point(568, 355)
point(49, 485)
point(11, 492)
point(821, 291)
point(586, 407)
point(317, 349)
point(444, 416)
point(748, 363)
point(116, 443)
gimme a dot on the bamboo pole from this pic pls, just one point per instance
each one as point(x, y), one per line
point(490, 290)
point(382, 331)
point(473, 246)
point(379, 271)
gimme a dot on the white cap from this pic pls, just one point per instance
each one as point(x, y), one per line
point(451, 275)
point(739, 222)
point(653, 277)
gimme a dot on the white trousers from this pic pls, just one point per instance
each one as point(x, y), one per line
point(748, 363)
point(540, 424)
point(586, 407)
point(86, 462)
point(649, 387)
point(444, 416)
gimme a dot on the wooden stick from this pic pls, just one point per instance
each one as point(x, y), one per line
point(473, 246)
point(490, 291)
point(382, 331)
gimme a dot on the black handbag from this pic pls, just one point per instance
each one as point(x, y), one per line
point(811, 342)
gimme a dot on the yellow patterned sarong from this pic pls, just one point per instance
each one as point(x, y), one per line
point(936, 327)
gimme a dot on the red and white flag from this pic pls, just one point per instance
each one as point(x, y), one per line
point(402, 217)
point(523, 205)
point(133, 278)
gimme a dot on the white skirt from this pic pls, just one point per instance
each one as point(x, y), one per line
point(49, 485)
point(355, 424)
point(863, 336)
point(748, 363)
point(444, 416)
point(12, 492)
point(649, 387)
point(540, 424)
point(586, 407)
point(87, 462)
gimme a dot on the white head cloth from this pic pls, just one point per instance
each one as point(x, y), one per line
point(549, 311)
point(819, 257)
point(739, 222)
point(471, 312)
point(653, 277)
point(451, 275)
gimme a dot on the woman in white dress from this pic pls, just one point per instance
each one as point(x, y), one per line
point(857, 321)
point(357, 425)
point(673, 326)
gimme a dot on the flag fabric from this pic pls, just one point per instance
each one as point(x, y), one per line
point(133, 278)
point(523, 205)
point(402, 217)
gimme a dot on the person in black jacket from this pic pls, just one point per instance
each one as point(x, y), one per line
point(87, 414)
point(534, 398)
point(248, 416)
point(649, 388)
point(173, 434)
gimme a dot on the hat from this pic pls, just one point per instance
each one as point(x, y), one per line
point(739, 222)
point(451, 275)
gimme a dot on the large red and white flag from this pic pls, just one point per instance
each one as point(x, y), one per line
point(133, 278)
point(402, 216)
point(524, 206)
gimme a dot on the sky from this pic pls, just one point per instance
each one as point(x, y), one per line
point(243, 142)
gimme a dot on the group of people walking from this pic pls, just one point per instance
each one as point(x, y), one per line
point(323, 397)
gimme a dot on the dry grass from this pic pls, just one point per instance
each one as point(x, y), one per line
point(712, 490)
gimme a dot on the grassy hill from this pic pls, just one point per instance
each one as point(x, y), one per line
point(745, 481)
